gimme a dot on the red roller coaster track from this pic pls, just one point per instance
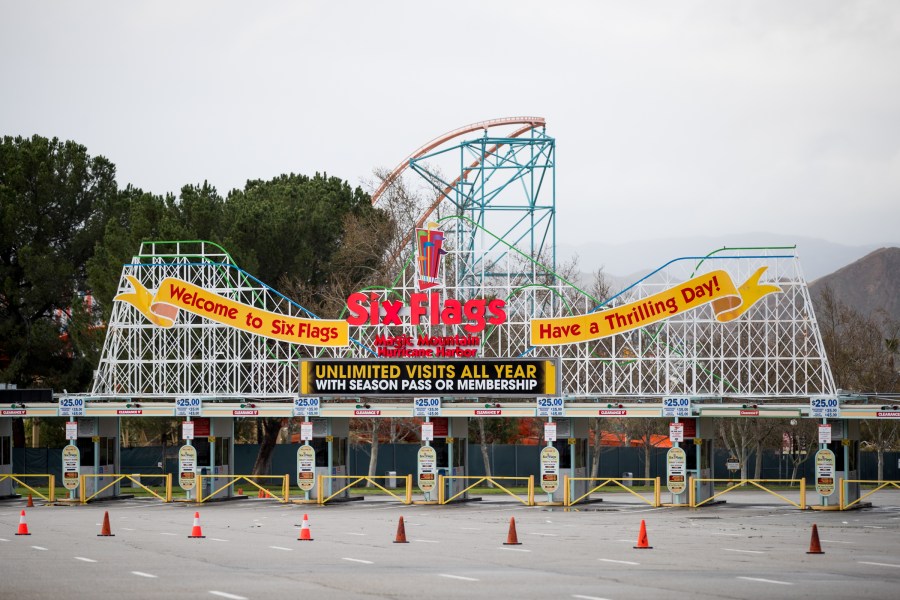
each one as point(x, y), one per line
point(528, 122)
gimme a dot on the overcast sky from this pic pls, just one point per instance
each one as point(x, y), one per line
point(671, 118)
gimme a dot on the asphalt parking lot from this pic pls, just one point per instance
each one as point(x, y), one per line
point(745, 548)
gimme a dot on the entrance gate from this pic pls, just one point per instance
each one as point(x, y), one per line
point(731, 328)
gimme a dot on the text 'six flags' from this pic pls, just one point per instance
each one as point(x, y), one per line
point(175, 294)
point(728, 303)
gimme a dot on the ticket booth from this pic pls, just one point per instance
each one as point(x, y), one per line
point(6, 489)
point(845, 438)
point(215, 454)
point(331, 442)
point(698, 445)
point(98, 445)
point(451, 446)
point(574, 450)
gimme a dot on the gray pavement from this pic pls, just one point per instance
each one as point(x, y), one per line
point(746, 548)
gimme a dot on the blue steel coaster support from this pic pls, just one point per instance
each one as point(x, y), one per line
point(506, 185)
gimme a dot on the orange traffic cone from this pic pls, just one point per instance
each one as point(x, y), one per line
point(23, 526)
point(240, 492)
point(814, 546)
point(260, 494)
point(196, 532)
point(643, 542)
point(30, 502)
point(511, 537)
point(401, 533)
point(105, 531)
point(304, 530)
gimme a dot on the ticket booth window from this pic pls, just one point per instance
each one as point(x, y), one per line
point(223, 452)
point(202, 452)
point(86, 449)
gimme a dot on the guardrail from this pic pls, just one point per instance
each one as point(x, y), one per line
point(692, 487)
point(405, 499)
point(51, 484)
point(528, 501)
point(117, 477)
point(881, 484)
point(250, 479)
point(569, 501)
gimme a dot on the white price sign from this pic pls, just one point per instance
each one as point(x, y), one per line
point(426, 407)
point(71, 430)
point(551, 407)
point(187, 407)
point(824, 434)
point(427, 432)
point(187, 430)
point(71, 407)
point(824, 407)
point(306, 407)
point(549, 432)
point(306, 431)
point(676, 407)
point(676, 432)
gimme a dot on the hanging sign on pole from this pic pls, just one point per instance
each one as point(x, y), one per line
point(187, 466)
point(427, 467)
point(306, 467)
point(549, 469)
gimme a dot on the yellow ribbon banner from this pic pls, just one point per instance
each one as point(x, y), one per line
point(728, 303)
point(174, 295)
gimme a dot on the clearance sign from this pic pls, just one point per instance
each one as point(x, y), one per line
point(717, 287)
point(175, 294)
point(485, 377)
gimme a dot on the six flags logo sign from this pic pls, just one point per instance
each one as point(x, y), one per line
point(729, 300)
point(426, 308)
point(429, 251)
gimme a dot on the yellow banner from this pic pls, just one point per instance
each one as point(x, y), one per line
point(728, 303)
point(174, 295)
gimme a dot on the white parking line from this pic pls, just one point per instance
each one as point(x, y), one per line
point(460, 577)
point(872, 527)
point(142, 574)
point(427, 541)
point(351, 533)
point(731, 534)
point(81, 558)
point(837, 542)
point(618, 562)
point(745, 551)
point(226, 595)
point(587, 597)
point(3, 540)
point(217, 539)
point(514, 549)
point(761, 580)
point(165, 533)
point(126, 529)
point(281, 548)
point(38, 547)
point(877, 564)
point(545, 534)
point(359, 560)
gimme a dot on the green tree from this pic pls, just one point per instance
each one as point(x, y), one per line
point(54, 203)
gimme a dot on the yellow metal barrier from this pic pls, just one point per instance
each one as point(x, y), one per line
point(881, 485)
point(529, 501)
point(233, 479)
point(754, 482)
point(406, 499)
point(569, 501)
point(51, 484)
point(117, 477)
